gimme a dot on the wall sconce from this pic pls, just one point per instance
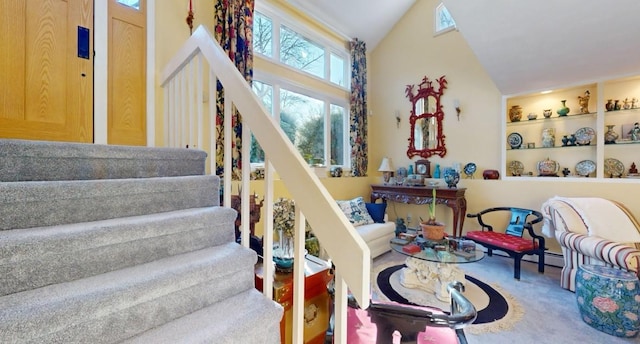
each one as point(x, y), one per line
point(398, 118)
point(456, 105)
point(386, 168)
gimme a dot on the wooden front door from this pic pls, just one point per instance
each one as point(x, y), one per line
point(127, 73)
point(46, 89)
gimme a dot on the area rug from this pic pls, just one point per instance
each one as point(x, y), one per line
point(497, 310)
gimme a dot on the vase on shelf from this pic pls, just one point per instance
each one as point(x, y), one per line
point(610, 136)
point(565, 140)
point(546, 113)
point(515, 113)
point(609, 105)
point(564, 110)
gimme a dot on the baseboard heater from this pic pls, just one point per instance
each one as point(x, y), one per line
point(550, 259)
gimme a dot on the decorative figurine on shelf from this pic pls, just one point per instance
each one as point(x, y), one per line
point(626, 104)
point(547, 113)
point(584, 102)
point(548, 137)
point(635, 132)
point(566, 171)
point(634, 102)
point(633, 170)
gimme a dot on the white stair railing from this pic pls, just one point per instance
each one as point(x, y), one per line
point(186, 79)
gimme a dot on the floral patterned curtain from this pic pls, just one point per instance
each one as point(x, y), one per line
point(358, 112)
point(233, 22)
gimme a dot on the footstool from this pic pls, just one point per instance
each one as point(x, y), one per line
point(609, 299)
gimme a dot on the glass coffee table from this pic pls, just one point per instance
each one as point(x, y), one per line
point(435, 264)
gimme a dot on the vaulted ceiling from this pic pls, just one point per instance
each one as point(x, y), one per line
point(524, 45)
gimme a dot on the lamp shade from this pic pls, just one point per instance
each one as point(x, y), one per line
point(386, 165)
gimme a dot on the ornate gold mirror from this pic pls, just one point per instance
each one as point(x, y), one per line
point(426, 137)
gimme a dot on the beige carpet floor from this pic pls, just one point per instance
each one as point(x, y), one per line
point(549, 313)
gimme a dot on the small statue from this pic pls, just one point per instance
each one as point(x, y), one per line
point(400, 226)
point(626, 104)
point(633, 169)
point(634, 102)
point(635, 132)
point(584, 102)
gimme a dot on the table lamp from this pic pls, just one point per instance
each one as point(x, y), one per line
point(386, 168)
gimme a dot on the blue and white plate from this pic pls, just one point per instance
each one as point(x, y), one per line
point(470, 169)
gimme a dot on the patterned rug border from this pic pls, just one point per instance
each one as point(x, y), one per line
point(506, 323)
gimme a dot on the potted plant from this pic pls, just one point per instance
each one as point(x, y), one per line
point(432, 229)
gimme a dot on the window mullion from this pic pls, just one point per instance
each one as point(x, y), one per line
point(327, 132)
point(276, 102)
point(275, 33)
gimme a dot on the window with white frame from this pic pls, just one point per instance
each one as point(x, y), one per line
point(443, 21)
point(316, 121)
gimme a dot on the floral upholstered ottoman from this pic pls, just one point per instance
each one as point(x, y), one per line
point(609, 299)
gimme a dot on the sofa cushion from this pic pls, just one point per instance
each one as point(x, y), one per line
point(356, 211)
point(374, 231)
point(377, 211)
point(506, 241)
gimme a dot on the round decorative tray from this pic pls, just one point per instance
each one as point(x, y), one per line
point(585, 168)
point(584, 136)
point(613, 167)
point(516, 168)
point(514, 140)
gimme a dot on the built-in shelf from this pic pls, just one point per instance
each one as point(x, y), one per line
point(597, 117)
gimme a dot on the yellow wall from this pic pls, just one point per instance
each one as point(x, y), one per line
point(410, 52)
point(171, 32)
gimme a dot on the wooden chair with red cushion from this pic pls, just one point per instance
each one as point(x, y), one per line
point(511, 241)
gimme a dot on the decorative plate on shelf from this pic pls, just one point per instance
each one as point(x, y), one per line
point(516, 168)
point(470, 169)
point(584, 136)
point(514, 140)
point(613, 167)
point(585, 168)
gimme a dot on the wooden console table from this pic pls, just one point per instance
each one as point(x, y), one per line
point(452, 198)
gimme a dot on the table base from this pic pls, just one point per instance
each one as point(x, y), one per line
point(431, 277)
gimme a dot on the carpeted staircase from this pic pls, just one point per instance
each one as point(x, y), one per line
point(109, 244)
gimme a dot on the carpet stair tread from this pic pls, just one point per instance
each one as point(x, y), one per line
point(238, 319)
point(35, 257)
point(119, 304)
point(28, 160)
point(39, 204)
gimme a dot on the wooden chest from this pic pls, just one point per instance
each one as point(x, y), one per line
point(317, 301)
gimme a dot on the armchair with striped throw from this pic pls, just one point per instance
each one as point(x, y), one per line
point(594, 231)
